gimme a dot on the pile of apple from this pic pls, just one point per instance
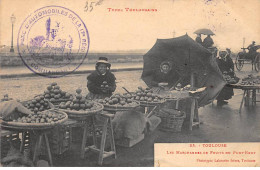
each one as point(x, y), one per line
point(55, 94)
point(79, 103)
point(146, 95)
point(251, 80)
point(228, 78)
point(38, 104)
point(42, 117)
point(119, 100)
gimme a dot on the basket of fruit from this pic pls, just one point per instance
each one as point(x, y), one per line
point(118, 102)
point(146, 97)
point(171, 120)
point(75, 110)
point(55, 95)
point(41, 120)
point(229, 79)
point(78, 106)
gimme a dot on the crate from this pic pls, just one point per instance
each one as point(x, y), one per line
point(126, 142)
point(171, 122)
point(8, 137)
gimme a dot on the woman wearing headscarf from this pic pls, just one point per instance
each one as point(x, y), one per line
point(164, 78)
point(101, 83)
point(226, 66)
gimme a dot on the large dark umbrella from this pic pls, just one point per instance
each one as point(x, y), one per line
point(204, 31)
point(187, 58)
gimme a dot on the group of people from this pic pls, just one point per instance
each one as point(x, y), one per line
point(207, 42)
point(102, 83)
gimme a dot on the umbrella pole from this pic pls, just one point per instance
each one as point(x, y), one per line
point(192, 80)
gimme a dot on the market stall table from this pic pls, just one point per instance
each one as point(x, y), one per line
point(248, 89)
point(39, 129)
point(40, 133)
point(177, 96)
point(87, 120)
point(106, 129)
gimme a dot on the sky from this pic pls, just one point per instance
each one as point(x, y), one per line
point(230, 20)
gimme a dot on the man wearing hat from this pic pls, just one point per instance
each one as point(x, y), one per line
point(198, 39)
point(208, 42)
point(101, 83)
point(251, 45)
point(252, 49)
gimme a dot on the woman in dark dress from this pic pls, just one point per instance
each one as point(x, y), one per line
point(101, 83)
point(163, 79)
point(226, 66)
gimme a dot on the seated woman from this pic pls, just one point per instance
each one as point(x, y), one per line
point(164, 79)
point(101, 83)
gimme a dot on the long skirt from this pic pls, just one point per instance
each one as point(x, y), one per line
point(226, 93)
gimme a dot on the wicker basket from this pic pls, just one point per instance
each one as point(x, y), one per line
point(171, 122)
point(74, 114)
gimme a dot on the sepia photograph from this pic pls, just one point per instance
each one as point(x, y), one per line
point(120, 83)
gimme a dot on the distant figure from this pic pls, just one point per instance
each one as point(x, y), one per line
point(252, 49)
point(251, 46)
point(198, 39)
point(208, 42)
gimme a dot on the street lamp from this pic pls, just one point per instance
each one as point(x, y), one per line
point(12, 43)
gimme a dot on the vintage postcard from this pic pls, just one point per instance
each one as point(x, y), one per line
point(130, 83)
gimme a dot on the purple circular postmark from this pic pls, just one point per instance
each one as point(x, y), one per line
point(53, 41)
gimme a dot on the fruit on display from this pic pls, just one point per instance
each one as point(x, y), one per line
point(146, 95)
point(126, 100)
point(79, 103)
point(38, 104)
point(54, 93)
point(250, 80)
point(42, 117)
point(229, 79)
point(6, 98)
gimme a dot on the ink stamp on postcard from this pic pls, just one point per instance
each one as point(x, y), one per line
point(53, 41)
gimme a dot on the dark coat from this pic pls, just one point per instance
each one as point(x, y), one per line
point(95, 80)
point(225, 65)
point(158, 77)
point(198, 40)
point(208, 42)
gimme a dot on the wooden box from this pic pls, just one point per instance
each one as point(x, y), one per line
point(126, 142)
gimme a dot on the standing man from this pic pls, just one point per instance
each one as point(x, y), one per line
point(198, 39)
point(252, 49)
point(208, 42)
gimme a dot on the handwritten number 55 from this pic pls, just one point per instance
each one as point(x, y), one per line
point(89, 7)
